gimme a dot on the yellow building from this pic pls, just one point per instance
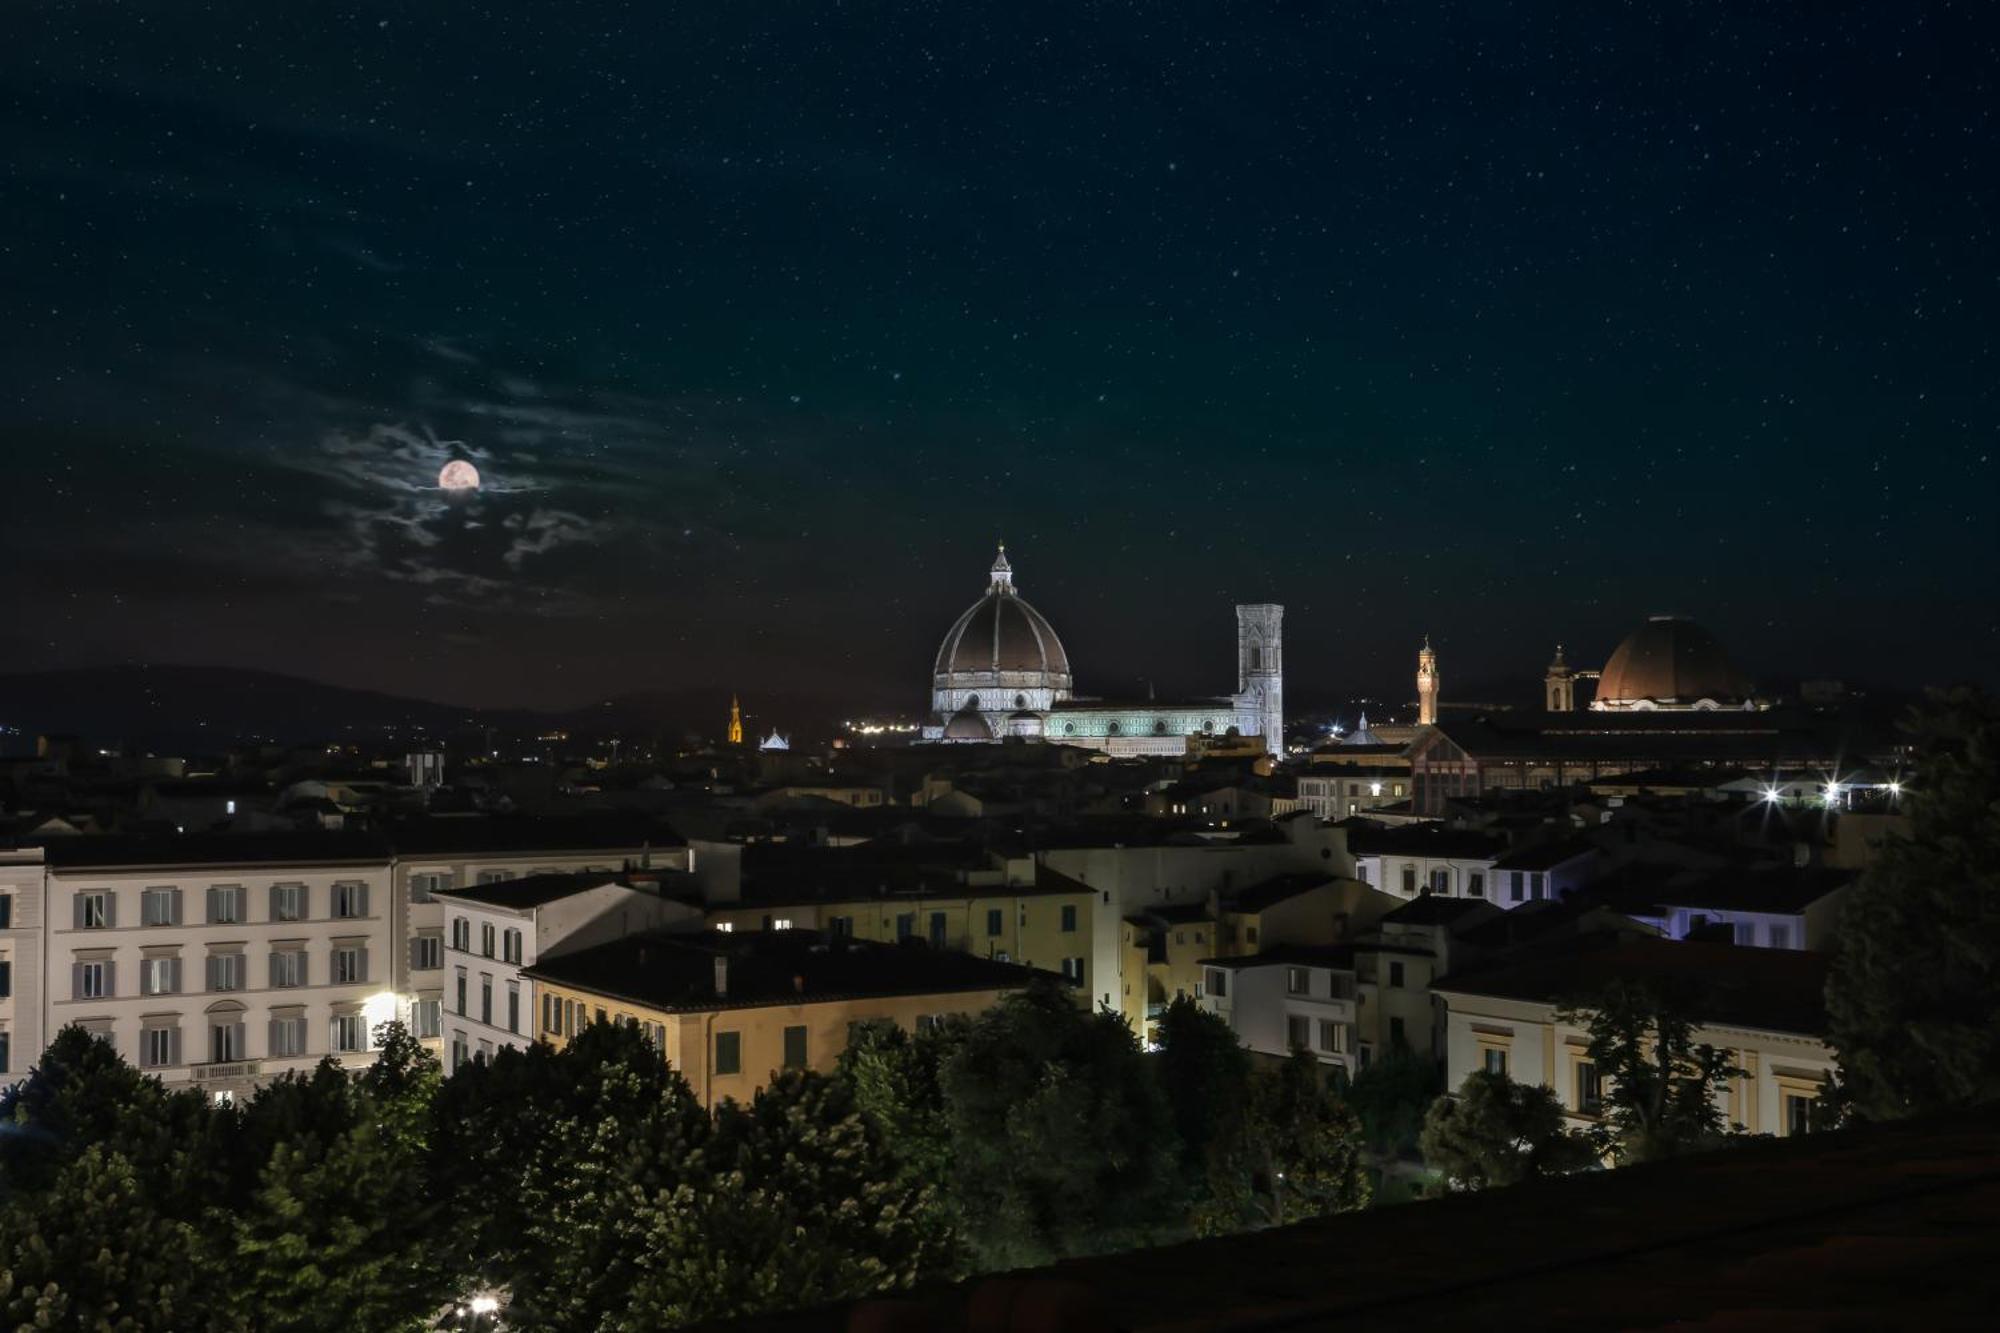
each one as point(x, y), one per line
point(1045, 925)
point(728, 1010)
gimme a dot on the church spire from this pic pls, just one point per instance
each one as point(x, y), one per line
point(1003, 573)
point(735, 721)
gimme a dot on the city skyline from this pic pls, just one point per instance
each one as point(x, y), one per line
point(1509, 325)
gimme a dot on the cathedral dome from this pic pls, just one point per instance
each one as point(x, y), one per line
point(1671, 662)
point(1002, 643)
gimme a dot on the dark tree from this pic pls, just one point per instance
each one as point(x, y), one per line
point(1305, 1145)
point(803, 1204)
point(1499, 1132)
point(1660, 1084)
point(1062, 1141)
point(1915, 983)
point(1205, 1072)
point(1391, 1097)
point(898, 1082)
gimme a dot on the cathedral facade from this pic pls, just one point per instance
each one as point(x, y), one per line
point(1002, 673)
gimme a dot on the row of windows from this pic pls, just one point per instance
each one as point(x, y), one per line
point(509, 940)
point(160, 1044)
point(97, 978)
point(224, 905)
point(463, 996)
point(1333, 1037)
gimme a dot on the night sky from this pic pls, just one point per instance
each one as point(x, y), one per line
point(1508, 323)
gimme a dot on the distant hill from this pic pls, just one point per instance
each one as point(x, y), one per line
point(209, 708)
point(192, 709)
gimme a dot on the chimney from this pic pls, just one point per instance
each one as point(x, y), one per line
point(799, 983)
point(721, 975)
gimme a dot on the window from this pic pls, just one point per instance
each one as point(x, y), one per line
point(1298, 1031)
point(426, 953)
point(159, 1047)
point(728, 1052)
point(1589, 1088)
point(350, 1032)
point(937, 930)
point(486, 999)
point(424, 885)
point(906, 925)
point(350, 965)
point(160, 976)
point(160, 907)
point(6, 923)
point(1332, 1037)
point(96, 911)
point(1298, 981)
point(1395, 974)
point(781, 923)
point(1218, 983)
point(461, 1053)
point(1441, 882)
point(1743, 932)
point(1778, 936)
point(1475, 884)
point(795, 1047)
point(1496, 1060)
point(225, 971)
point(725, 926)
point(1536, 884)
point(288, 902)
point(288, 1036)
point(994, 921)
point(486, 938)
point(840, 927)
point(225, 905)
point(513, 1006)
point(288, 968)
point(427, 1018)
point(492, 877)
point(95, 979)
point(461, 934)
point(1069, 918)
point(1409, 881)
point(461, 992)
point(1072, 970)
point(225, 1038)
point(350, 901)
point(6, 978)
point(1397, 1038)
point(510, 945)
point(1798, 1114)
point(1514, 880)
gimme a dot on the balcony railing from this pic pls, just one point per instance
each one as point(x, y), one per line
point(210, 1073)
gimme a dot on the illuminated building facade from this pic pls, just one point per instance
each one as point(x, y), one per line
point(1001, 673)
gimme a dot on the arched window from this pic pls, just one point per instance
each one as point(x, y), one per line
point(1160, 728)
point(1112, 729)
point(1020, 701)
point(972, 701)
point(1256, 658)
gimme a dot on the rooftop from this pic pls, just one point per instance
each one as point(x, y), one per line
point(215, 849)
point(1367, 838)
point(677, 972)
point(1543, 855)
point(529, 891)
point(1774, 990)
point(619, 831)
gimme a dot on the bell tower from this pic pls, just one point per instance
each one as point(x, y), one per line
point(1260, 669)
point(1560, 685)
point(1427, 685)
point(735, 722)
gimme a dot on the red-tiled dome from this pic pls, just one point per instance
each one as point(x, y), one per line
point(1670, 662)
point(1002, 633)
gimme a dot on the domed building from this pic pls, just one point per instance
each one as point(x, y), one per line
point(1671, 664)
point(1001, 673)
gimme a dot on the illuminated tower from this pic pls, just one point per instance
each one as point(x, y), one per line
point(735, 722)
point(1560, 685)
point(1427, 685)
point(1260, 669)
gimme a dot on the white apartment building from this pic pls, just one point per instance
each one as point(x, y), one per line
point(22, 1035)
point(1417, 859)
point(449, 853)
point(496, 930)
point(219, 961)
point(1764, 1006)
point(1291, 998)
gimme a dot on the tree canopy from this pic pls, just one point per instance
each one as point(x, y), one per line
point(1498, 1132)
point(1915, 980)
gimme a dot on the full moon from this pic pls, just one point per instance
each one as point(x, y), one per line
point(459, 475)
